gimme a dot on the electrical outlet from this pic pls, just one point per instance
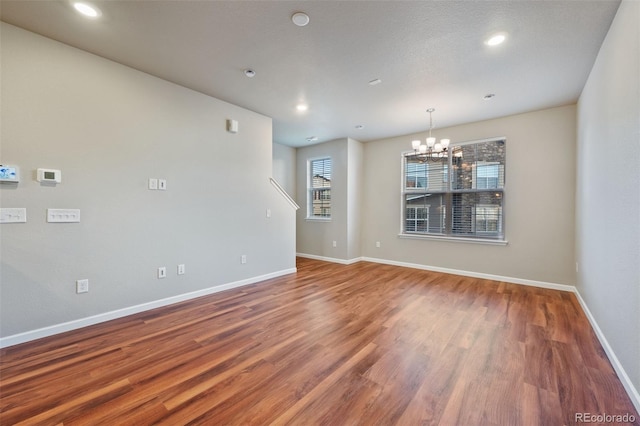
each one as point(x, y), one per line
point(153, 183)
point(162, 272)
point(335, 244)
point(243, 259)
point(268, 212)
point(378, 244)
point(181, 269)
point(82, 286)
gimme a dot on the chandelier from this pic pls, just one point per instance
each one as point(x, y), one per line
point(432, 150)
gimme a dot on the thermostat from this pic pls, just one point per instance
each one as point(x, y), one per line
point(9, 173)
point(49, 175)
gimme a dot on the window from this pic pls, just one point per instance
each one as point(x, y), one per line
point(416, 175)
point(487, 218)
point(487, 175)
point(319, 194)
point(460, 195)
point(417, 219)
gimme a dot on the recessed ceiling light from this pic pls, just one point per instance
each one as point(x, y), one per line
point(249, 73)
point(87, 10)
point(312, 138)
point(302, 107)
point(300, 19)
point(359, 127)
point(496, 39)
point(375, 82)
point(489, 96)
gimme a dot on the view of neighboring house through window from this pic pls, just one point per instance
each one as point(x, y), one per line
point(459, 195)
point(417, 218)
point(319, 205)
point(424, 204)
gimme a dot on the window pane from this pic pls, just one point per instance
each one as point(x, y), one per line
point(424, 213)
point(320, 188)
point(415, 174)
point(477, 214)
point(321, 173)
point(321, 204)
point(479, 165)
point(487, 175)
point(429, 175)
point(487, 218)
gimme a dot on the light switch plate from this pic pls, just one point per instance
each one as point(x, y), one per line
point(63, 215)
point(13, 215)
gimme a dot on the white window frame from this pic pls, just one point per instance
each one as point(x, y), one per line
point(322, 191)
point(482, 237)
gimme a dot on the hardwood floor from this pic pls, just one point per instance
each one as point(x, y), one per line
point(330, 345)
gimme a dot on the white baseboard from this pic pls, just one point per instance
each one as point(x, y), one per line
point(533, 283)
point(633, 393)
point(330, 259)
point(119, 313)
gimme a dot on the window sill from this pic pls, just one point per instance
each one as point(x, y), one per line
point(317, 219)
point(454, 239)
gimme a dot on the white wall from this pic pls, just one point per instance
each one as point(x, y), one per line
point(284, 167)
point(539, 201)
point(355, 184)
point(315, 237)
point(109, 129)
point(608, 190)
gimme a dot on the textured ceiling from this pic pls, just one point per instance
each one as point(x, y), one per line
point(427, 54)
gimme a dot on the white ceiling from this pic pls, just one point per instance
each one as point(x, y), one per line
point(427, 54)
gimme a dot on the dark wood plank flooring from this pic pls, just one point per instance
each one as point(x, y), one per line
point(364, 344)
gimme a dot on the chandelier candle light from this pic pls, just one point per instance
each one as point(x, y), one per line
point(432, 150)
